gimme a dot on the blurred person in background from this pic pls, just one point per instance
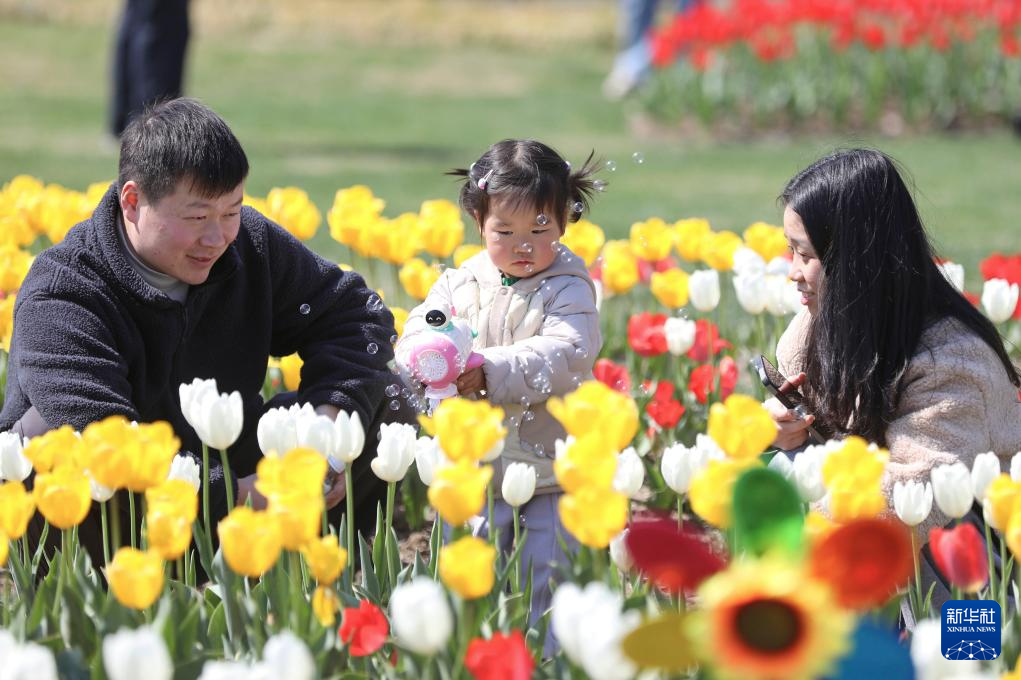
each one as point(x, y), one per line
point(148, 63)
point(634, 60)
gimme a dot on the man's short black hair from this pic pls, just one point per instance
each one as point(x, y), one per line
point(178, 139)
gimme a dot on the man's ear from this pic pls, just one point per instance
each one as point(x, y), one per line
point(130, 198)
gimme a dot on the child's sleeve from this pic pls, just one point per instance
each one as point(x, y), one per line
point(554, 362)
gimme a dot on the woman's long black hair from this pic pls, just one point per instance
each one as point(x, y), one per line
point(881, 287)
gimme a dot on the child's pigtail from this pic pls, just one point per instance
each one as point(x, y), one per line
point(581, 187)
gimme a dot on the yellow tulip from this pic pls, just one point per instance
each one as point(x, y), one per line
point(689, 235)
point(595, 403)
point(325, 559)
point(6, 322)
point(670, 287)
point(718, 250)
point(256, 203)
point(741, 426)
point(299, 516)
point(174, 496)
point(352, 209)
point(712, 489)
point(16, 508)
point(15, 227)
point(818, 526)
point(589, 461)
point(63, 496)
point(585, 240)
point(290, 370)
point(458, 491)
point(157, 447)
point(113, 443)
point(1001, 499)
point(417, 277)
point(400, 318)
point(95, 191)
point(652, 239)
point(299, 470)
point(440, 227)
point(465, 252)
point(849, 503)
point(766, 239)
point(399, 238)
point(169, 534)
point(250, 541)
point(291, 208)
point(594, 515)
point(1013, 533)
point(136, 577)
point(14, 264)
point(854, 465)
point(466, 567)
point(620, 267)
point(466, 429)
point(57, 448)
point(325, 604)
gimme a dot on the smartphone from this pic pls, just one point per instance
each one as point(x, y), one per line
point(773, 380)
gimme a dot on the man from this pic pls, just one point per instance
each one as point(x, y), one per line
point(171, 279)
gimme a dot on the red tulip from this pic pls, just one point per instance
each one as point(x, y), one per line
point(960, 555)
point(612, 374)
point(364, 629)
point(502, 657)
point(706, 335)
point(645, 334)
point(864, 561)
point(703, 380)
point(672, 558)
point(664, 409)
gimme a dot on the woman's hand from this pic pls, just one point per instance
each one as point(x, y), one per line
point(471, 381)
point(337, 492)
point(792, 429)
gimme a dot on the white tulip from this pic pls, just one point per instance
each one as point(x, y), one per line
point(421, 616)
point(912, 501)
point(783, 466)
point(927, 654)
point(749, 263)
point(277, 430)
point(751, 292)
point(999, 298)
point(680, 335)
point(236, 670)
point(494, 452)
point(952, 272)
point(589, 625)
point(187, 469)
point(518, 484)
point(1015, 467)
point(984, 470)
point(428, 458)
point(14, 466)
point(708, 447)
point(395, 452)
point(287, 657)
point(951, 488)
point(561, 446)
point(778, 266)
point(808, 473)
point(619, 553)
point(29, 661)
point(630, 473)
point(216, 418)
point(127, 651)
point(99, 493)
point(704, 289)
point(679, 464)
point(317, 432)
point(782, 296)
point(349, 439)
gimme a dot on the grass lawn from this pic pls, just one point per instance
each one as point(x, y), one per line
point(321, 111)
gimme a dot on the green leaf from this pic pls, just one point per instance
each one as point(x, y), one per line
point(218, 624)
point(767, 512)
point(77, 629)
point(369, 580)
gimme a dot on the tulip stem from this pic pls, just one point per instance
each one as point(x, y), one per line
point(391, 492)
point(1004, 572)
point(494, 532)
point(106, 537)
point(993, 588)
point(131, 509)
point(517, 527)
point(61, 574)
point(680, 512)
point(205, 493)
point(226, 479)
point(349, 499)
point(919, 615)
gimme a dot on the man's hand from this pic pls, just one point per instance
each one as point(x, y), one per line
point(471, 381)
point(246, 490)
point(337, 492)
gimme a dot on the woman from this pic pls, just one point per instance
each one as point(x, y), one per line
point(886, 348)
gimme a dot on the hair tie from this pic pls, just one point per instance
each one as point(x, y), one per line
point(568, 164)
point(484, 182)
